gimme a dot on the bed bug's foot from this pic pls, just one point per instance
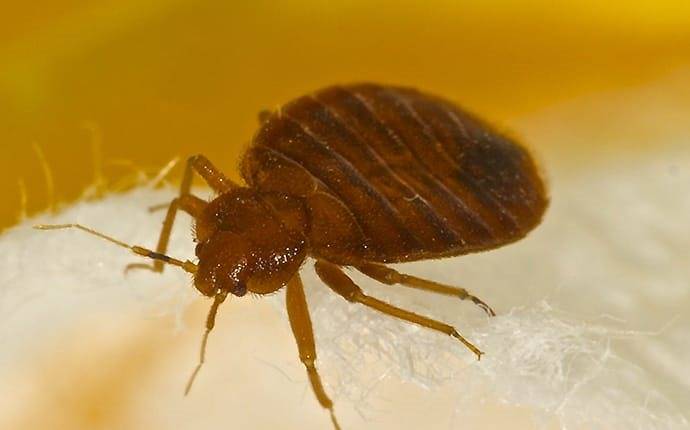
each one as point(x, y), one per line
point(479, 302)
point(468, 344)
point(158, 264)
point(139, 266)
point(336, 426)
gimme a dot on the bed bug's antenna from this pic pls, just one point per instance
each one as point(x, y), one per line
point(187, 265)
point(210, 323)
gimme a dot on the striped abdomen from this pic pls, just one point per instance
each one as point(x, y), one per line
point(392, 175)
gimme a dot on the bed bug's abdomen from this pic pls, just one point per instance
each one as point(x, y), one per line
point(414, 176)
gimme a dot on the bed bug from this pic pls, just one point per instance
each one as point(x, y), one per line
point(356, 176)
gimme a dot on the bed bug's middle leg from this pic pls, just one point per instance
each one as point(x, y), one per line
point(300, 322)
point(389, 276)
point(338, 281)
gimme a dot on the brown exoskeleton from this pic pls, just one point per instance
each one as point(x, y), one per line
point(356, 176)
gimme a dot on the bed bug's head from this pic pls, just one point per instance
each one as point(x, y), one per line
point(218, 271)
point(242, 246)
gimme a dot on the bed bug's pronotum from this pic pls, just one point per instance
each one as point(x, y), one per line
point(353, 176)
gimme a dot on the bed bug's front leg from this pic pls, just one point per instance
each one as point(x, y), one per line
point(389, 276)
point(188, 203)
point(185, 201)
point(300, 322)
point(338, 281)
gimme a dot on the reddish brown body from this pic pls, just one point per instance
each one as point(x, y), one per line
point(389, 174)
point(358, 176)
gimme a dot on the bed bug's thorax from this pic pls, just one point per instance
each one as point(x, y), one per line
point(249, 241)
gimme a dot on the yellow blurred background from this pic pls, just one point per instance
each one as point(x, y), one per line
point(153, 80)
point(158, 79)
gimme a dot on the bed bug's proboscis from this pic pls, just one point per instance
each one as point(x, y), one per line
point(356, 176)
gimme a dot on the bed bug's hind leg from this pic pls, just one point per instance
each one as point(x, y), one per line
point(389, 276)
point(300, 322)
point(185, 201)
point(338, 281)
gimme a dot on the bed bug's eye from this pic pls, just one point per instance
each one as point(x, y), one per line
point(240, 289)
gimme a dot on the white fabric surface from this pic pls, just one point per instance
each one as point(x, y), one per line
point(593, 325)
